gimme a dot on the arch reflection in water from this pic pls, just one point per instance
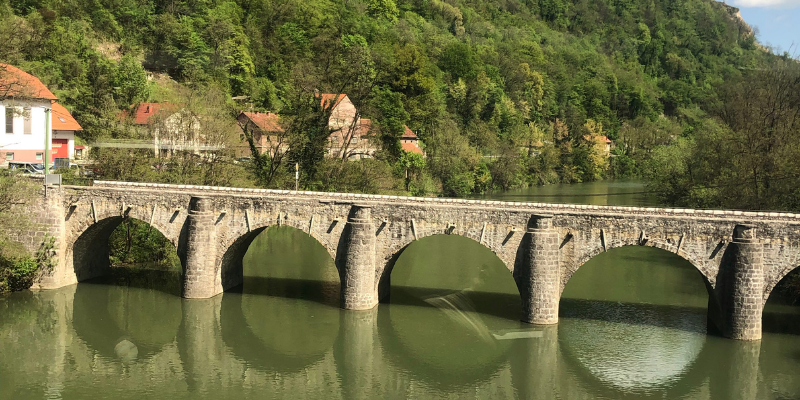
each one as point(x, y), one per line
point(288, 302)
point(453, 302)
point(43, 356)
point(634, 319)
point(125, 322)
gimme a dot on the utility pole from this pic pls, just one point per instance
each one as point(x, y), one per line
point(47, 111)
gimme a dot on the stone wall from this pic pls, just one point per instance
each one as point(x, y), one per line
point(543, 245)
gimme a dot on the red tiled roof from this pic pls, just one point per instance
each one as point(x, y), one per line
point(17, 83)
point(327, 98)
point(267, 122)
point(605, 139)
point(62, 120)
point(411, 148)
point(145, 111)
point(408, 134)
point(79, 147)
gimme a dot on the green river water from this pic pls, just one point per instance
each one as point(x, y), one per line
point(633, 325)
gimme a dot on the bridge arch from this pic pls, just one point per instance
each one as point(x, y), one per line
point(773, 278)
point(584, 257)
point(88, 254)
point(476, 251)
point(231, 268)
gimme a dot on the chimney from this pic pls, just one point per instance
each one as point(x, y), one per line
point(147, 110)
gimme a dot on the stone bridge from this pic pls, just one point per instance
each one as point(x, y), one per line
point(741, 256)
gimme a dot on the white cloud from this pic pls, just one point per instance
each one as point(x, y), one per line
point(766, 3)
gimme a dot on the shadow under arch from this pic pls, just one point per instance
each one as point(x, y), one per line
point(648, 243)
point(122, 323)
point(782, 306)
point(91, 250)
point(293, 284)
point(491, 295)
point(656, 249)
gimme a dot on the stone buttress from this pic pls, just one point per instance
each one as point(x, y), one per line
point(201, 249)
point(355, 260)
point(742, 286)
point(537, 272)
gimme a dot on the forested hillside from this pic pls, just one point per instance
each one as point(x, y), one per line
point(502, 93)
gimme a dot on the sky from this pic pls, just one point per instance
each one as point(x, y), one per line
point(778, 22)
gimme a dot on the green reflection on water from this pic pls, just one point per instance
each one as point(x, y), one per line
point(632, 326)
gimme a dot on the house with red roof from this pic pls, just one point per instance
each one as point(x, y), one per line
point(351, 136)
point(64, 127)
point(603, 141)
point(268, 135)
point(24, 104)
point(410, 142)
point(170, 127)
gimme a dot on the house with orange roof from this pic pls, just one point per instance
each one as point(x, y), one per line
point(352, 136)
point(64, 127)
point(603, 140)
point(24, 103)
point(410, 142)
point(268, 135)
point(170, 127)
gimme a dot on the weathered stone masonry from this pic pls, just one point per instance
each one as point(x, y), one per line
point(741, 256)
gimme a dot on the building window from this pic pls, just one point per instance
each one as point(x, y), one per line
point(78, 153)
point(355, 140)
point(28, 121)
point(9, 156)
point(39, 156)
point(9, 120)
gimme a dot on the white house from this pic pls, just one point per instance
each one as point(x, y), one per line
point(171, 128)
point(23, 101)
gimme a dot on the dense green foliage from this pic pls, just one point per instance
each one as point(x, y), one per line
point(746, 155)
point(502, 93)
point(136, 242)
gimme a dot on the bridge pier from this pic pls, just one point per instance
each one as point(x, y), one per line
point(199, 280)
point(537, 272)
point(355, 260)
point(741, 286)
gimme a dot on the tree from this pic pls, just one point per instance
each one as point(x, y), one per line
point(742, 158)
point(392, 119)
point(130, 82)
point(411, 165)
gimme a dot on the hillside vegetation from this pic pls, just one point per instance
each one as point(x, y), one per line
point(532, 84)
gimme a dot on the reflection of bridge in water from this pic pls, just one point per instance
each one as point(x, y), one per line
point(740, 256)
point(215, 346)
